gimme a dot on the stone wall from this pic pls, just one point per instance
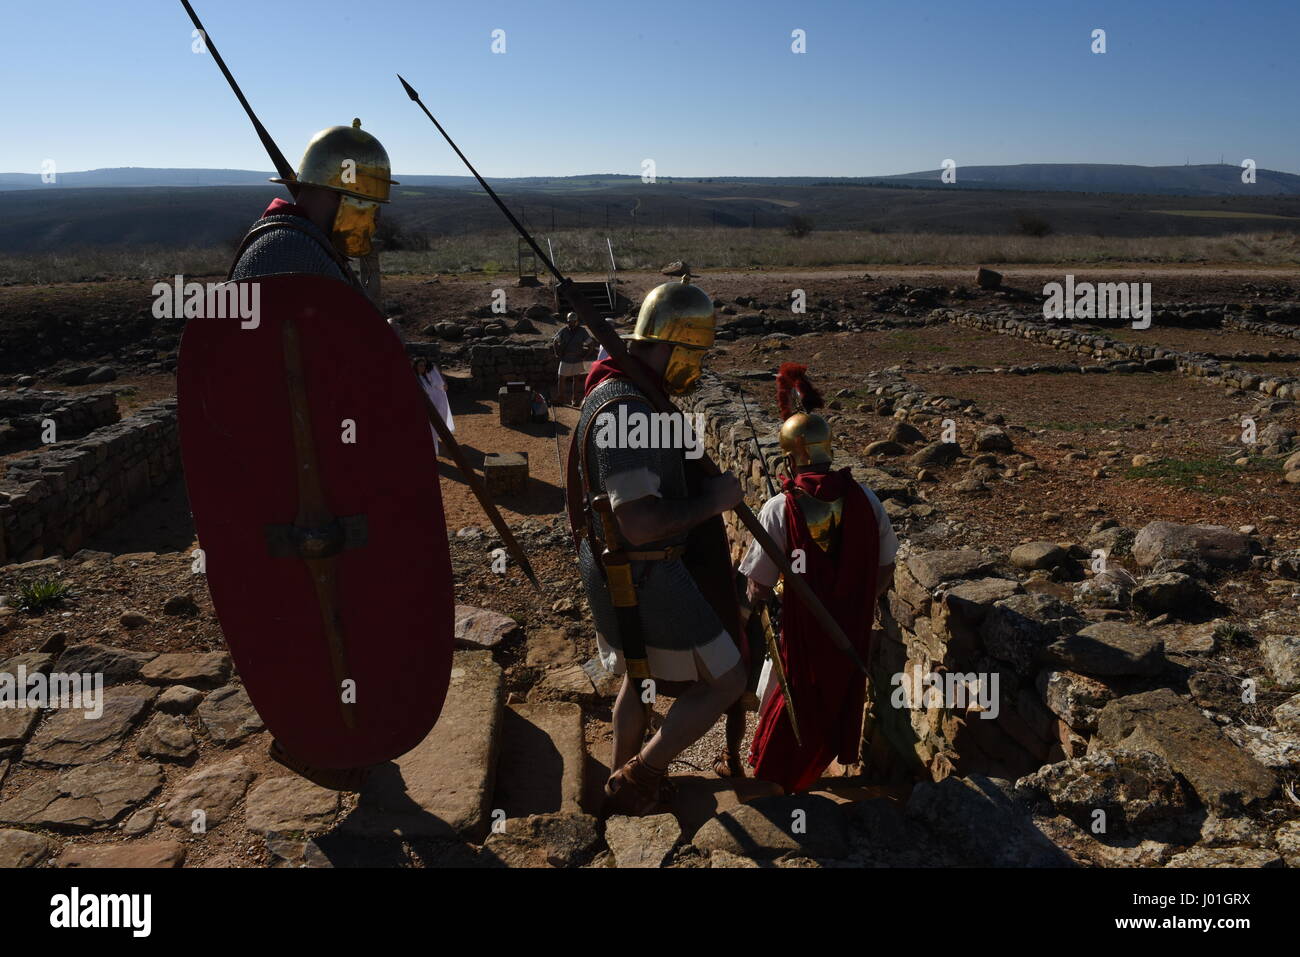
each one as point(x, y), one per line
point(54, 501)
point(1145, 358)
point(958, 612)
point(1246, 324)
point(492, 366)
point(22, 413)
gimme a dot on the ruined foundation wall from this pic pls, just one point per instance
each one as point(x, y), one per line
point(1151, 358)
point(492, 366)
point(22, 413)
point(53, 502)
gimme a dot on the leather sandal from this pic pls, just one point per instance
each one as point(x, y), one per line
point(727, 765)
point(635, 789)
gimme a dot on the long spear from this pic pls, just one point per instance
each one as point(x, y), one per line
point(282, 167)
point(608, 338)
point(286, 172)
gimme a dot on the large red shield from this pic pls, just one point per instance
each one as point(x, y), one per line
point(313, 482)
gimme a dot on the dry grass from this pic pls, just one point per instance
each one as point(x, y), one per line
point(584, 251)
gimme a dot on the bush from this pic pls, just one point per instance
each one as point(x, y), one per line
point(798, 226)
point(1032, 225)
point(39, 595)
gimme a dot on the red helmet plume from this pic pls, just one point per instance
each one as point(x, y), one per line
point(792, 378)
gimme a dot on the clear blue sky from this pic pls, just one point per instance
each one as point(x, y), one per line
point(709, 87)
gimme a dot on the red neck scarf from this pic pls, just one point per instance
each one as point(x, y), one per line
point(610, 368)
point(282, 207)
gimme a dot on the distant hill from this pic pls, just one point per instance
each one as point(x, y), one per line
point(1209, 180)
point(178, 213)
point(1206, 180)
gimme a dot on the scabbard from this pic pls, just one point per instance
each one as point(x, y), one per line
point(622, 593)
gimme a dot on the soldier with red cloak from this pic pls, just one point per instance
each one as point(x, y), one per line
point(838, 535)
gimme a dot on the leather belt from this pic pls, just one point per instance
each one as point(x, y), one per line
point(662, 555)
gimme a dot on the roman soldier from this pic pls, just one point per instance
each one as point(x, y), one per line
point(653, 552)
point(342, 179)
point(838, 535)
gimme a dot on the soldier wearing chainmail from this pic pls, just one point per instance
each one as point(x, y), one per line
point(341, 180)
point(669, 631)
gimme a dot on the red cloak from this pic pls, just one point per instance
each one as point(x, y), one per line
point(828, 690)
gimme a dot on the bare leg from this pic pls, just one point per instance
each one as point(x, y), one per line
point(692, 715)
point(629, 724)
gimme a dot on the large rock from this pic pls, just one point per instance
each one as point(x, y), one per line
point(1226, 857)
point(70, 737)
point(1221, 774)
point(229, 716)
point(642, 841)
point(214, 791)
point(1132, 788)
point(540, 766)
point(972, 599)
point(931, 569)
point(482, 628)
point(804, 824)
point(16, 725)
point(935, 454)
point(545, 840)
point(979, 823)
point(1174, 593)
point(1108, 648)
point(1215, 545)
point(85, 798)
point(1039, 555)
point(1074, 698)
point(204, 670)
point(117, 665)
point(22, 849)
point(1018, 629)
point(994, 439)
point(131, 854)
point(1273, 749)
point(1282, 655)
point(1287, 714)
point(167, 738)
point(289, 804)
point(443, 786)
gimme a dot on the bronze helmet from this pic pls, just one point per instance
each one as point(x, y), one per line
point(351, 162)
point(805, 436)
point(682, 315)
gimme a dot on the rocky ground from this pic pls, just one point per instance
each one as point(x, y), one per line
point(1051, 461)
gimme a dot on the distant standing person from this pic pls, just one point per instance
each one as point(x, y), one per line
point(435, 387)
point(572, 345)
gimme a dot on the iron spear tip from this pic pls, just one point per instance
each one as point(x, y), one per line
point(410, 90)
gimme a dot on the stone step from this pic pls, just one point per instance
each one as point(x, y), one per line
point(540, 769)
point(443, 787)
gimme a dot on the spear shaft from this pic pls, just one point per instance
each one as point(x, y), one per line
point(608, 338)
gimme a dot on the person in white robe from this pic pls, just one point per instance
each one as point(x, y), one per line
point(435, 387)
